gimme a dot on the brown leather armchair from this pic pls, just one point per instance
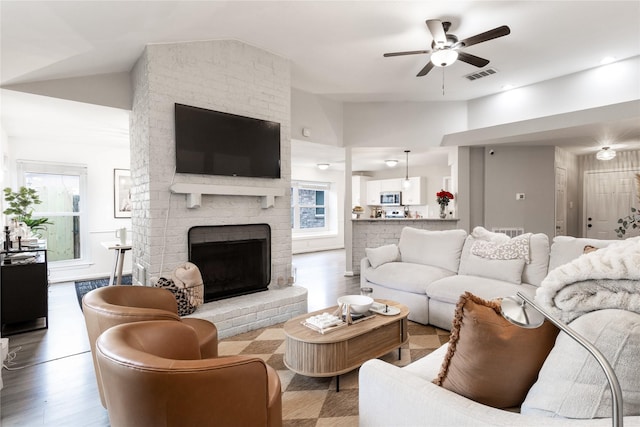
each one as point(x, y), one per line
point(153, 375)
point(108, 306)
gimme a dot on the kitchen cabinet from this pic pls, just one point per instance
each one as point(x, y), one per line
point(394, 184)
point(359, 190)
point(416, 194)
point(373, 192)
point(24, 287)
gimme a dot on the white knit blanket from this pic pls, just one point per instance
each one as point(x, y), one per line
point(606, 278)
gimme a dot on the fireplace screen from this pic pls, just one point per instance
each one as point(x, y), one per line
point(233, 259)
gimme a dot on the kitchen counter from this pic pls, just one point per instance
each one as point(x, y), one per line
point(404, 219)
point(375, 232)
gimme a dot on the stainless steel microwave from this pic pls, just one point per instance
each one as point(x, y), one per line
point(391, 198)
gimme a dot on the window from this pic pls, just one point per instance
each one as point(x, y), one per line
point(309, 206)
point(61, 189)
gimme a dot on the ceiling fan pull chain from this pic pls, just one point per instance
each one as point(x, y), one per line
point(442, 81)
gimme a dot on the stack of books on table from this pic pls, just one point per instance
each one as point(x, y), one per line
point(324, 322)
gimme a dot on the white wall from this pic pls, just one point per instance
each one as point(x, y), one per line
point(601, 86)
point(407, 124)
point(322, 116)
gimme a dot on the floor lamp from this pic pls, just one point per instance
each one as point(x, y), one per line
point(518, 310)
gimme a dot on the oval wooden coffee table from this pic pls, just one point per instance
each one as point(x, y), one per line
point(313, 354)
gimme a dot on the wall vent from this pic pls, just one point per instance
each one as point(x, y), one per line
point(480, 74)
point(509, 231)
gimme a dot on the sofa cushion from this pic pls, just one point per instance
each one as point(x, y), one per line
point(536, 270)
point(405, 276)
point(566, 248)
point(572, 384)
point(382, 255)
point(508, 270)
point(449, 289)
point(437, 248)
point(490, 360)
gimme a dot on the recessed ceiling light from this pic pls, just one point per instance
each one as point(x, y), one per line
point(607, 60)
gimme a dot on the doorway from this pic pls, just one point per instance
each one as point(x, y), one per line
point(609, 196)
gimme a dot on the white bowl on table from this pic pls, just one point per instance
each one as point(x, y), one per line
point(359, 304)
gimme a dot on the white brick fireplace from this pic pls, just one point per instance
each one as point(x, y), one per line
point(226, 76)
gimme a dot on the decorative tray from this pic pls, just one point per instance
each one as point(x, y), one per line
point(385, 310)
point(325, 322)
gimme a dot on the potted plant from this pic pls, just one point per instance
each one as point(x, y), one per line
point(21, 207)
point(630, 221)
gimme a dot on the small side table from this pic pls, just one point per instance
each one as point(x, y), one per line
point(120, 251)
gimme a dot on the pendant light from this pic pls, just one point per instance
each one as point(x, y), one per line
point(406, 183)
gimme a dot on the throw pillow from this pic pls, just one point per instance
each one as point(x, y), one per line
point(436, 248)
point(382, 255)
point(508, 270)
point(588, 249)
point(490, 360)
point(182, 296)
point(572, 384)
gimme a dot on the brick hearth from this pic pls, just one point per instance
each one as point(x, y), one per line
point(233, 316)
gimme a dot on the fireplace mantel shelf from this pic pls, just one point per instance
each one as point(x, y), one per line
point(194, 192)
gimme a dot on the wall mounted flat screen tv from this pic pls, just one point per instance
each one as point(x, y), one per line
point(216, 143)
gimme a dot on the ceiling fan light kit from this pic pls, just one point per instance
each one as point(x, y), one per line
point(606, 153)
point(444, 57)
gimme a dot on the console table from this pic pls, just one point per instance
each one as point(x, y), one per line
point(24, 287)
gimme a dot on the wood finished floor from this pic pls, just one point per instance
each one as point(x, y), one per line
point(51, 381)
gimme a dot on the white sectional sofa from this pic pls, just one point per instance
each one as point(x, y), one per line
point(429, 270)
point(407, 396)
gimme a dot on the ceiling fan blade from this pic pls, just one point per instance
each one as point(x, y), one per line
point(472, 59)
point(437, 32)
point(410, 52)
point(426, 69)
point(487, 35)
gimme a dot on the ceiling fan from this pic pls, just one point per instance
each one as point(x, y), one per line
point(446, 48)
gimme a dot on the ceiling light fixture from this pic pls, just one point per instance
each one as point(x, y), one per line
point(323, 166)
point(406, 183)
point(606, 153)
point(391, 163)
point(444, 57)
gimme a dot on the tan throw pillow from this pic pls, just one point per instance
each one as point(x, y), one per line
point(490, 360)
point(588, 249)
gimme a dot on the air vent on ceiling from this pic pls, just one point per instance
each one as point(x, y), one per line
point(480, 74)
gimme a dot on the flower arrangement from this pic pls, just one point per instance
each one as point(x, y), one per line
point(443, 197)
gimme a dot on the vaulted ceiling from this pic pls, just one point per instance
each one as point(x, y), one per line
point(335, 47)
